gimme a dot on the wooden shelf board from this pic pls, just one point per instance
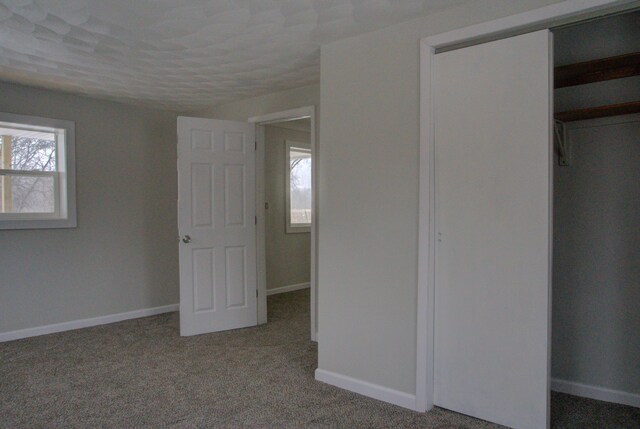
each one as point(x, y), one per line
point(597, 70)
point(599, 112)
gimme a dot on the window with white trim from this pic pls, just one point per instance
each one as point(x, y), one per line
point(37, 172)
point(298, 187)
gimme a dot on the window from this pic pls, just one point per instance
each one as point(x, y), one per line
point(298, 187)
point(37, 172)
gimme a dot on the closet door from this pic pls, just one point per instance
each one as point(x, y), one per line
point(493, 206)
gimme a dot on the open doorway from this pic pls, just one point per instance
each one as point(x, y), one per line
point(596, 219)
point(222, 219)
point(286, 232)
point(288, 198)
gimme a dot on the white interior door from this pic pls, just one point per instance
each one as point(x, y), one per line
point(493, 207)
point(216, 221)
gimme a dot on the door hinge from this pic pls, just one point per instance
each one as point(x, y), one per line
point(256, 293)
point(255, 146)
point(256, 220)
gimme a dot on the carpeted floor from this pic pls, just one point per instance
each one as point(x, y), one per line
point(141, 373)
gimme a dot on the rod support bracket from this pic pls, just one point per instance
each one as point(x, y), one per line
point(562, 143)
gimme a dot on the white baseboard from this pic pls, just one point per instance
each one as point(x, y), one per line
point(290, 288)
point(595, 392)
point(365, 388)
point(85, 323)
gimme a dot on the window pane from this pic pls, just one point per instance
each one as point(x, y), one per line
point(300, 189)
point(37, 183)
point(27, 194)
point(27, 149)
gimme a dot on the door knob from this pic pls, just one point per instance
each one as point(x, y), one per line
point(186, 239)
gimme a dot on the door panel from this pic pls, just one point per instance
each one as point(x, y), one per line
point(202, 186)
point(234, 195)
point(216, 210)
point(203, 279)
point(236, 279)
point(493, 202)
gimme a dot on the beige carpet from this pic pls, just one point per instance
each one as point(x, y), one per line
point(141, 373)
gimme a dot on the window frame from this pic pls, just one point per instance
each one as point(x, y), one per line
point(289, 228)
point(64, 178)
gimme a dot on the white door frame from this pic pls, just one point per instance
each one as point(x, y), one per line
point(554, 15)
point(260, 121)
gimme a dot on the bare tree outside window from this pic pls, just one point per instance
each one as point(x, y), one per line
point(27, 152)
point(300, 186)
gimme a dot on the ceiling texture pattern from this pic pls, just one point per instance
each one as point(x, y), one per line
point(183, 54)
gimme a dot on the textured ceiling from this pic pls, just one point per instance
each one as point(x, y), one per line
point(183, 54)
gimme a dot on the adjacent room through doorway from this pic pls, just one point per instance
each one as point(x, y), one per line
point(288, 212)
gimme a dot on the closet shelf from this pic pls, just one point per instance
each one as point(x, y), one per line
point(597, 70)
point(599, 112)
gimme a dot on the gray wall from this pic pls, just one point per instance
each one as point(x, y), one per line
point(288, 255)
point(596, 275)
point(123, 255)
point(368, 185)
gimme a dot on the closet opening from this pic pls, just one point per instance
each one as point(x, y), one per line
point(596, 223)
